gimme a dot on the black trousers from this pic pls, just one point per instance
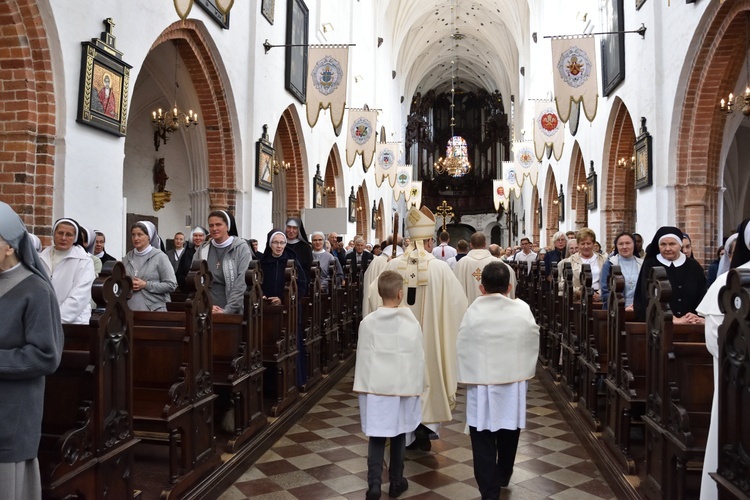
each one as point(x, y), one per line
point(375, 452)
point(494, 454)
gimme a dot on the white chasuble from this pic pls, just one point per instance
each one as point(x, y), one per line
point(469, 272)
point(498, 342)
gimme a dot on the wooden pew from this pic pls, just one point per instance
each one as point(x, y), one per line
point(331, 312)
point(87, 441)
point(593, 334)
point(542, 314)
point(173, 388)
point(346, 299)
point(625, 380)
point(569, 340)
point(237, 363)
point(734, 396)
point(311, 328)
point(678, 407)
point(329, 357)
point(279, 346)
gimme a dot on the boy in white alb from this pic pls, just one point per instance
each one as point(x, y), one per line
point(495, 361)
point(389, 377)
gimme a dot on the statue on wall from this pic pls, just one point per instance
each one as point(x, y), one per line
point(160, 196)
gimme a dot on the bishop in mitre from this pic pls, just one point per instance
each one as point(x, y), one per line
point(469, 269)
point(432, 292)
point(496, 358)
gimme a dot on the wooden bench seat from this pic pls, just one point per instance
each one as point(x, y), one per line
point(87, 442)
point(173, 392)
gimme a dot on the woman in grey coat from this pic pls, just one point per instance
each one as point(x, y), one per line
point(31, 344)
point(152, 273)
point(228, 257)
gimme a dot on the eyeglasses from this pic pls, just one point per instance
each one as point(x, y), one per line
point(278, 243)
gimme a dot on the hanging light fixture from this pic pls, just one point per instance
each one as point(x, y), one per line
point(741, 101)
point(456, 162)
point(168, 122)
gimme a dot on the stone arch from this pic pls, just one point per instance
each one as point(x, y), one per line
point(290, 142)
point(362, 208)
point(578, 178)
point(200, 57)
point(553, 207)
point(28, 111)
point(332, 179)
point(713, 72)
point(620, 193)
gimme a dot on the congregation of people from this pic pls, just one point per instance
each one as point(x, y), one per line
point(418, 340)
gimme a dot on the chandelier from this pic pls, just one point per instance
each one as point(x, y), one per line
point(456, 162)
point(168, 122)
point(741, 101)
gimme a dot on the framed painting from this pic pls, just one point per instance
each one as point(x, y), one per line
point(264, 166)
point(104, 84)
point(591, 194)
point(295, 71)
point(267, 8)
point(613, 46)
point(639, 4)
point(643, 160)
point(352, 207)
point(318, 191)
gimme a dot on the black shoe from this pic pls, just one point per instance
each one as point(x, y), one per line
point(398, 487)
point(422, 438)
point(373, 493)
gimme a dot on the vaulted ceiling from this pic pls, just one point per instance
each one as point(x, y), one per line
point(481, 43)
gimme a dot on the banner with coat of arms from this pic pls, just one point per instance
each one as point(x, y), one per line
point(549, 130)
point(510, 179)
point(326, 83)
point(498, 193)
point(403, 182)
point(575, 75)
point(525, 162)
point(414, 195)
point(386, 160)
point(360, 137)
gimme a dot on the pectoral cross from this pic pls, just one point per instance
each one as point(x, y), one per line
point(445, 211)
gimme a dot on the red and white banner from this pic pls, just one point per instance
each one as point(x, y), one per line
point(549, 130)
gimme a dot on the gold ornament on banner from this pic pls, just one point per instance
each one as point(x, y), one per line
point(224, 6)
point(183, 8)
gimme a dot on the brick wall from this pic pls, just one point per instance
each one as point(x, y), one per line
point(716, 68)
point(619, 194)
point(27, 116)
point(211, 91)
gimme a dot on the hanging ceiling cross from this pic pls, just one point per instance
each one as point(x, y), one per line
point(445, 211)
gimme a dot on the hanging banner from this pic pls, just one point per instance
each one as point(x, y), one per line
point(414, 195)
point(575, 75)
point(326, 83)
point(360, 137)
point(403, 181)
point(386, 159)
point(526, 165)
point(510, 179)
point(498, 193)
point(549, 130)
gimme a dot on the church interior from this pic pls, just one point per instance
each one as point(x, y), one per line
point(514, 119)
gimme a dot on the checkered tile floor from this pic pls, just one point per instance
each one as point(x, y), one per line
point(324, 457)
